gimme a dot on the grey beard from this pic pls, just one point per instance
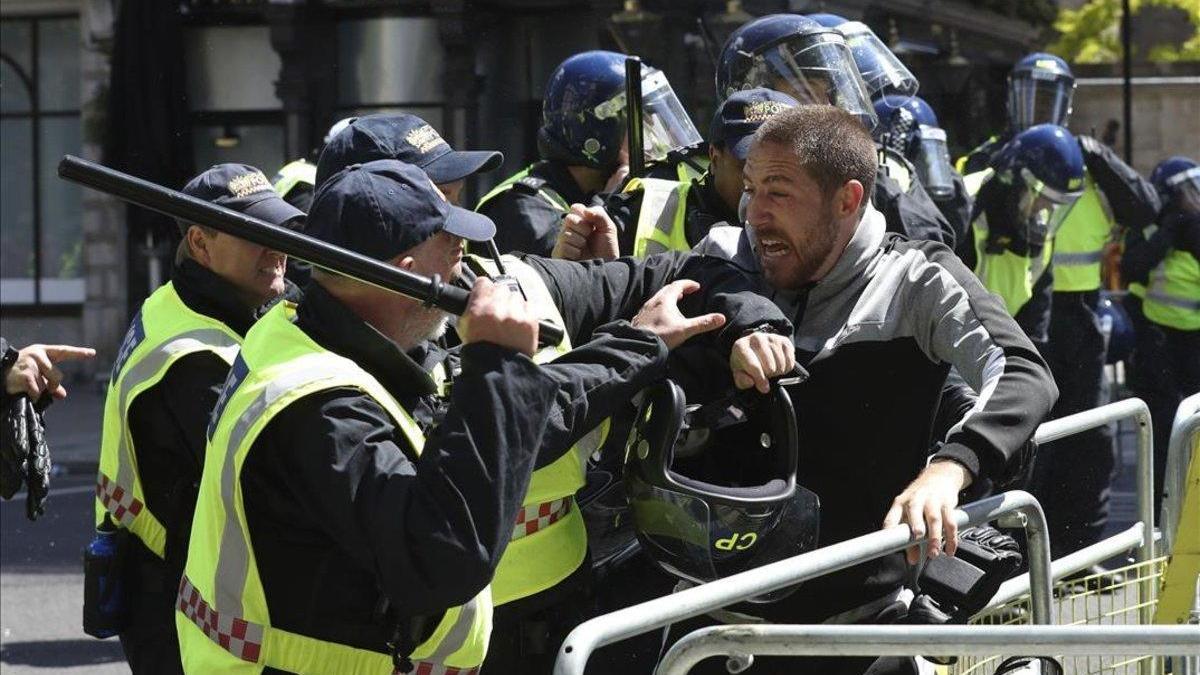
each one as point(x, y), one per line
point(428, 324)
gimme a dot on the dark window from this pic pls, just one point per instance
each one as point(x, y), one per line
point(41, 259)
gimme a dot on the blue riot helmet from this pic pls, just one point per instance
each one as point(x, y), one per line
point(881, 70)
point(583, 115)
point(1047, 161)
point(713, 488)
point(1177, 180)
point(1040, 88)
point(909, 126)
point(797, 56)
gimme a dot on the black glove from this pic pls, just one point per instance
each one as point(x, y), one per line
point(963, 584)
point(1185, 232)
point(24, 455)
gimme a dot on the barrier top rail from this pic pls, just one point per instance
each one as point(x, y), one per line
point(827, 640)
point(659, 612)
point(1179, 454)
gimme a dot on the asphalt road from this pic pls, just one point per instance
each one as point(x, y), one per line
point(41, 586)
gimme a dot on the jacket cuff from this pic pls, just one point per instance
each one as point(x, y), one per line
point(963, 455)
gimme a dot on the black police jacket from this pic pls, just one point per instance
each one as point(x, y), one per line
point(912, 212)
point(340, 513)
point(525, 221)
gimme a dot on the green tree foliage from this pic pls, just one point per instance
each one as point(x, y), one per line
point(1092, 33)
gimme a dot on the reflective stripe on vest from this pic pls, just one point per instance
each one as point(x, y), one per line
point(896, 168)
point(293, 174)
point(223, 594)
point(1080, 240)
point(549, 536)
point(550, 196)
point(973, 182)
point(163, 331)
point(1172, 298)
point(662, 219)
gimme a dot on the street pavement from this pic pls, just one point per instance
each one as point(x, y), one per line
point(41, 580)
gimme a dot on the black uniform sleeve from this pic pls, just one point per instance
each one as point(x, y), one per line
point(968, 327)
point(525, 222)
point(957, 211)
point(432, 529)
point(189, 392)
point(592, 293)
point(1143, 253)
point(911, 213)
point(1133, 199)
point(596, 379)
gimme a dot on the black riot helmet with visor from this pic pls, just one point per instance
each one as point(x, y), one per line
point(712, 489)
point(797, 56)
point(909, 126)
point(1040, 88)
point(883, 73)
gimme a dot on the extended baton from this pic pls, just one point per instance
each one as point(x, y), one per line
point(431, 291)
point(633, 116)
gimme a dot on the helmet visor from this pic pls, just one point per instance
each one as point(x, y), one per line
point(1035, 101)
point(932, 161)
point(882, 72)
point(665, 124)
point(814, 69)
point(1185, 189)
point(701, 542)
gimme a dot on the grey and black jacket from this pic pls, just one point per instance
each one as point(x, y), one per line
point(878, 336)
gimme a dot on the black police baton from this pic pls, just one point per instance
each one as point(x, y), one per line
point(633, 116)
point(431, 291)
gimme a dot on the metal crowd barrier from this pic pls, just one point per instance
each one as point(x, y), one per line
point(647, 616)
point(746, 640)
point(825, 640)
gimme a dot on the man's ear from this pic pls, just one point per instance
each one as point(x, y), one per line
point(850, 198)
point(404, 262)
point(197, 243)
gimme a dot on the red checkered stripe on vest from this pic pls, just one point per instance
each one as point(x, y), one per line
point(244, 638)
point(535, 517)
point(119, 501)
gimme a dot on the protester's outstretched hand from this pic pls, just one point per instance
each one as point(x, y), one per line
point(661, 316)
point(34, 372)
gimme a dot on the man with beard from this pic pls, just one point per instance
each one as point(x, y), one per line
point(373, 540)
point(165, 382)
point(879, 322)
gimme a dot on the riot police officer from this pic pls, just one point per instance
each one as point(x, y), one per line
point(165, 383)
point(582, 147)
point(1164, 302)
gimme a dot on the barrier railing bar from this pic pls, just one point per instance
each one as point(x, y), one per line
point(1069, 564)
point(1113, 412)
point(659, 612)
point(833, 640)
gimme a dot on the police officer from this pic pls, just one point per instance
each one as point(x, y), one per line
point(909, 127)
point(583, 148)
point(1164, 302)
point(655, 215)
point(165, 383)
point(767, 52)
point(1016, 199)
point(880, 320)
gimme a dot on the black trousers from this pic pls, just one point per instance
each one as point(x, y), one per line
point(150, 643)
point(1072, 476)
point(1165, 370)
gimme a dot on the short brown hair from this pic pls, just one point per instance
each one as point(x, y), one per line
point(832, 145)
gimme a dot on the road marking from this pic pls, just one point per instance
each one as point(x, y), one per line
point(57, 492)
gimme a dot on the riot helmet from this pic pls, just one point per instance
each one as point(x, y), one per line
point(583, 115)
point(909, 126)
point(797, 56)
point(1117, 327)
point(1177, 180)
point(881, 70)
point(712, 489)
point(1040, 88)
point(1046, 160)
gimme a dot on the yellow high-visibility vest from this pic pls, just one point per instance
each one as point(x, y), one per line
point(164, 331)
